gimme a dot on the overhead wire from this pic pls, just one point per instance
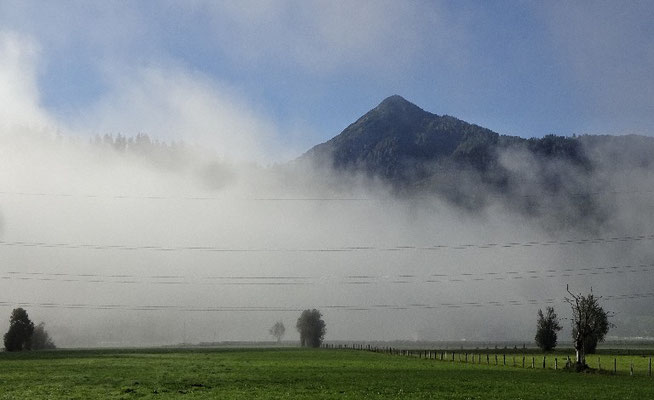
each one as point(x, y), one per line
point(358, 248)
point(296, 199)
point(291, 280)
point(338, 307)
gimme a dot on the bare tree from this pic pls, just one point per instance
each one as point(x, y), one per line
point(589, 323)
point(278, 330)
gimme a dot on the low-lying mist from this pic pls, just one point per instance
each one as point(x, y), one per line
point(130, 242)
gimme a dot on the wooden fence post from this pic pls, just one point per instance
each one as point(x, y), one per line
point(495, 359)
point(631, 368)
point(533, 362)
point(599, 363)
point(615, 365)
point(487, 359)
point(523, 361)
point(543, 362)
point(649, 368)
point(556, 363)
point(504, 359)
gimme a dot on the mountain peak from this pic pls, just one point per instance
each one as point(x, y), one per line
point(394, 99)
point(393, 140)
point(397, 103)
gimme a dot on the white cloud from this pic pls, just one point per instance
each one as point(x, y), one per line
point(168, 103)
point(19, 95)
point(173, 104)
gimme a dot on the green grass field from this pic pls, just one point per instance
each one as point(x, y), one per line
point(291, 374)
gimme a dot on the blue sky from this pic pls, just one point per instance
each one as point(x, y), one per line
point(268, 79)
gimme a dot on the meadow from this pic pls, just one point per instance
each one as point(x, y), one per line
point(296, 374)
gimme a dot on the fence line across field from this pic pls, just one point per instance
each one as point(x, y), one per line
point(492, 358)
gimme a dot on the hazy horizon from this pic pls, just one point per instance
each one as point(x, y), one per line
point(219, 238)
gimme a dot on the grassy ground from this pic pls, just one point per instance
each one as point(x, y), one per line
point(291, 373)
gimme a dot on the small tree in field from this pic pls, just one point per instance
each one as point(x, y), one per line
point(311, 328)
point(590, 324)
point(548, 326)
point(19, 336)
point(41, 340)
point(278, 331)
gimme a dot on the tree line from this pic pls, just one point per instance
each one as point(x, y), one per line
point(590, 324)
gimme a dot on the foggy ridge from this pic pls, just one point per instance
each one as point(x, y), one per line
point(393, 228)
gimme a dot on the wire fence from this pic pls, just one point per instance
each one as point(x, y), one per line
point(632, 365)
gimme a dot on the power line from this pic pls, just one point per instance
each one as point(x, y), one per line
point(374, 307)
point(183, 198)
point(298, 280)
point(295, 199)
point(362, 248)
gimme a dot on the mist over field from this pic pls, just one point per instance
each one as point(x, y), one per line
point(154, 244)
point(173, 209)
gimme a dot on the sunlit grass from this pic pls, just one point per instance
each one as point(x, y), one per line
point(294, 373)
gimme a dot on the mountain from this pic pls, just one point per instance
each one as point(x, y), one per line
point(416, 151)
point(404, 144)
point(395, 140)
